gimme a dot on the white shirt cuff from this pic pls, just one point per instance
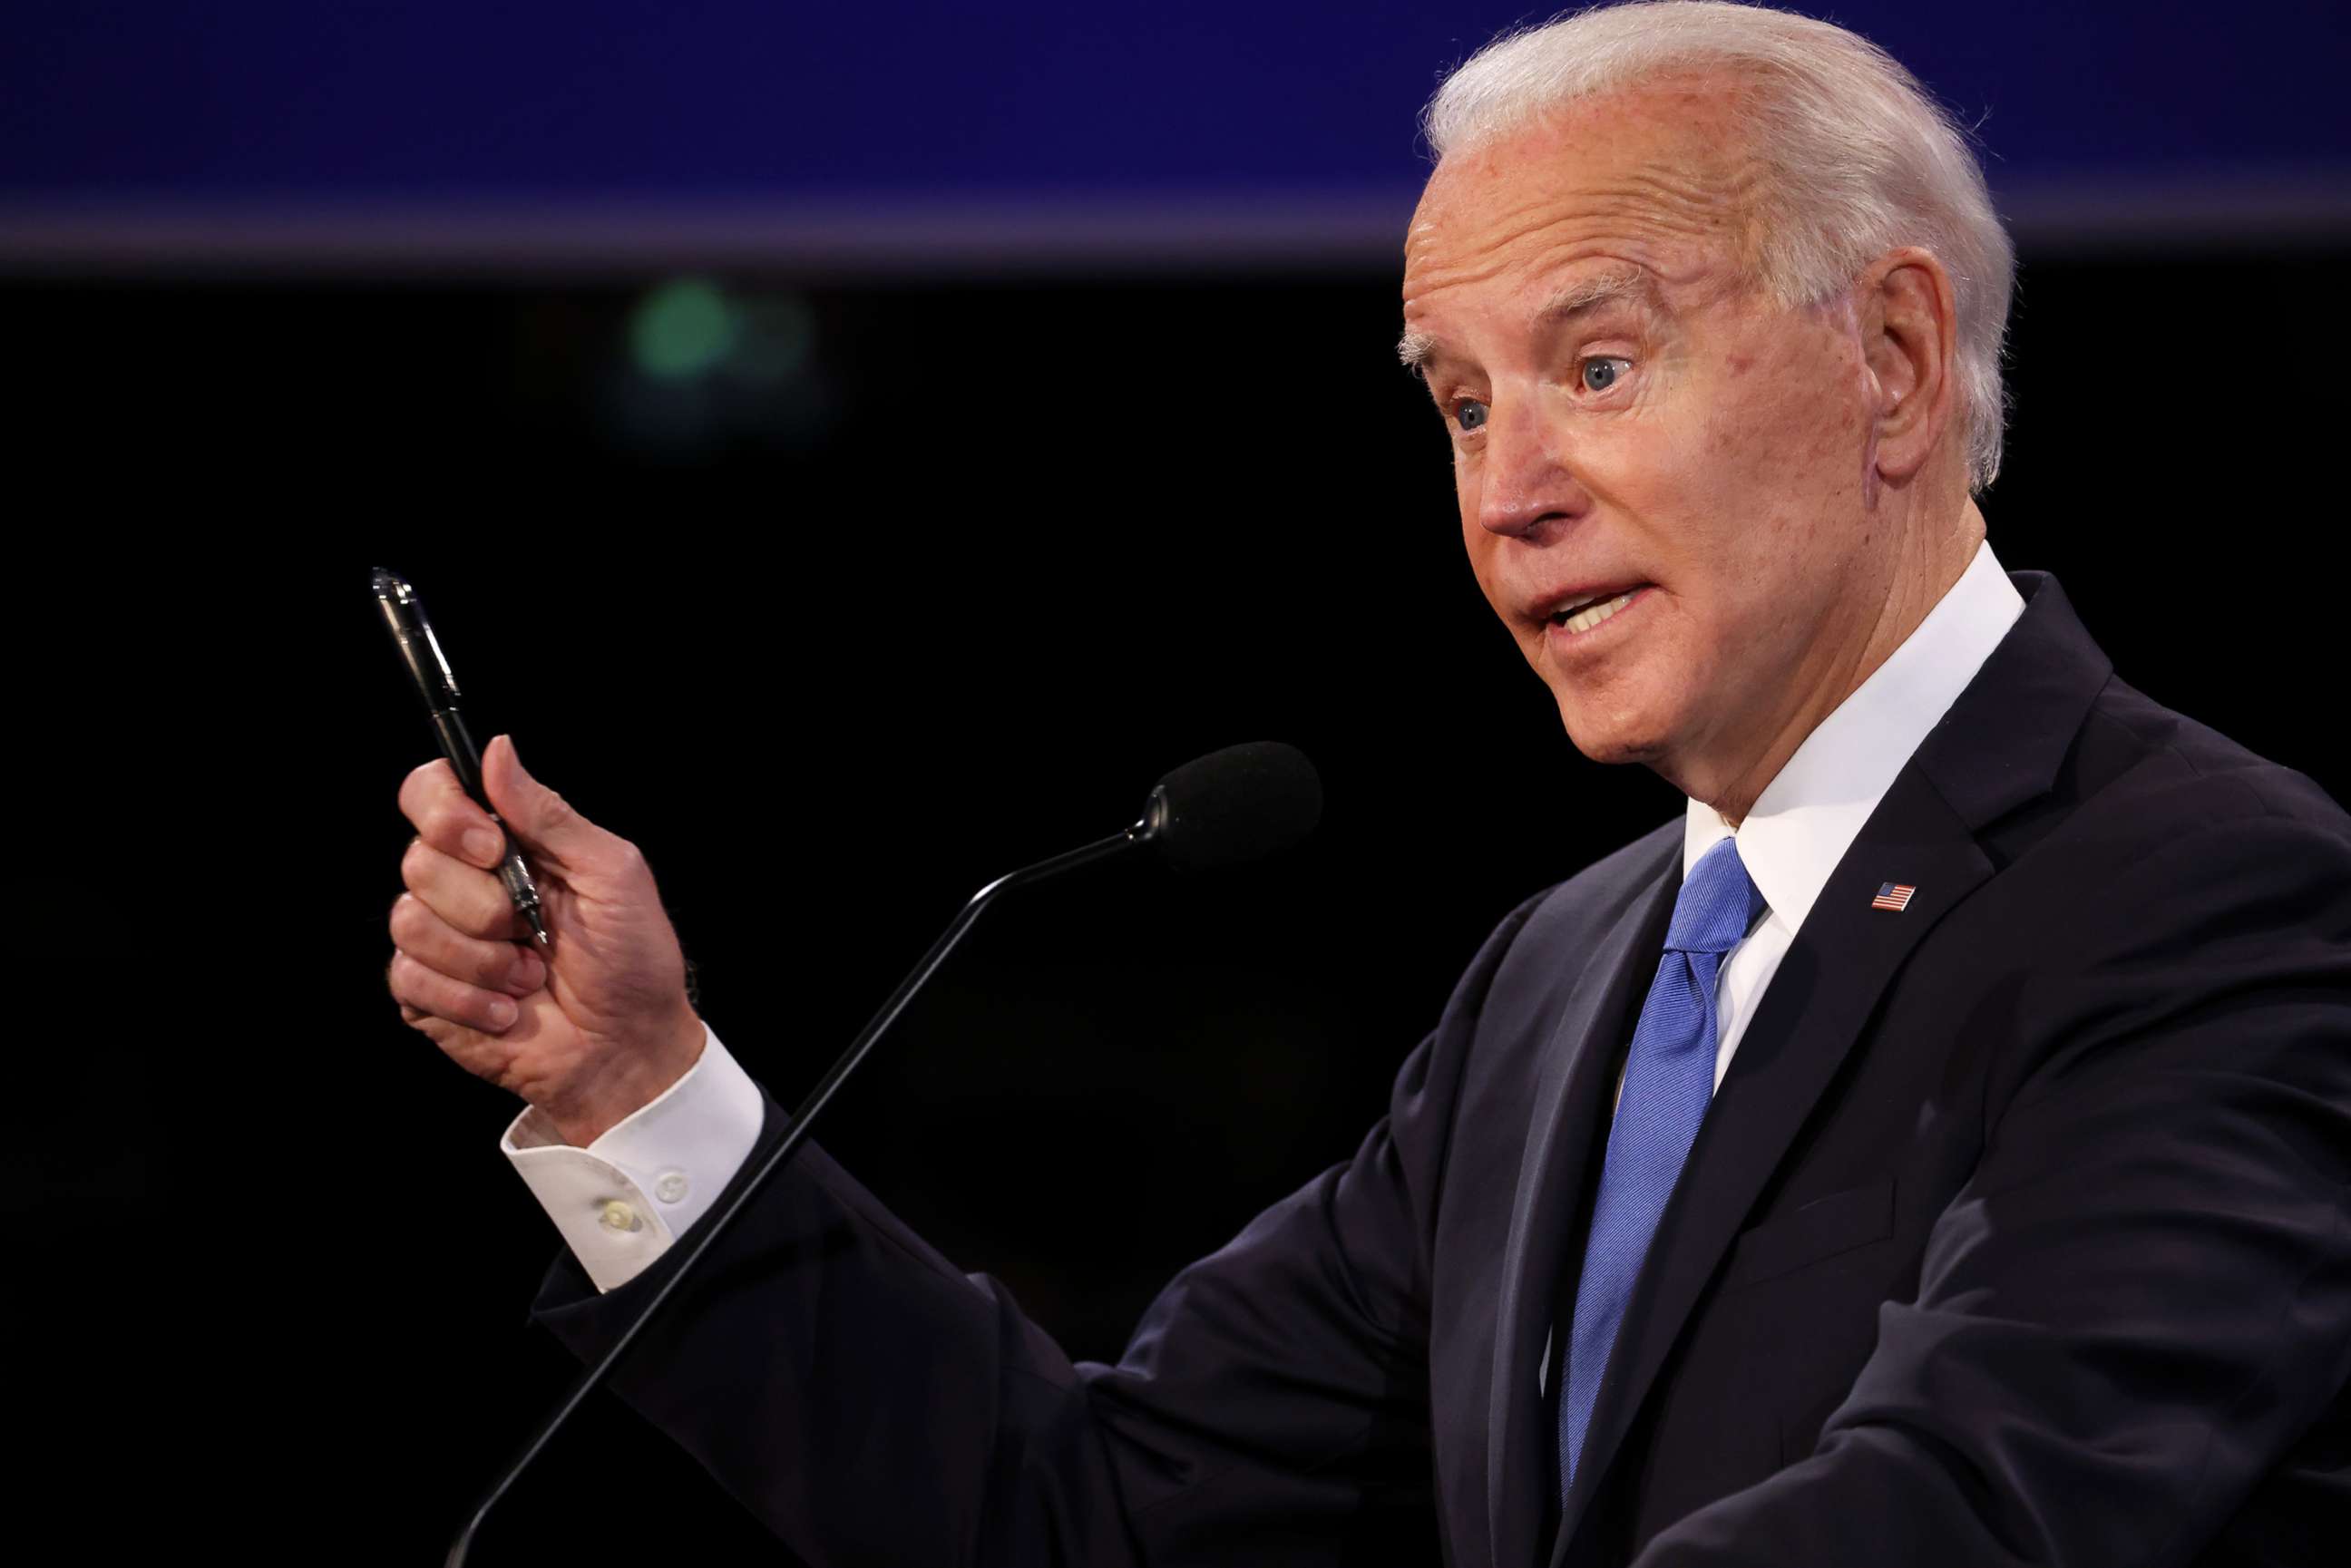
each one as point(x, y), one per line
point(621, 1202)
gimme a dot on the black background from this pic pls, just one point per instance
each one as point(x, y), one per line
point(835, 652)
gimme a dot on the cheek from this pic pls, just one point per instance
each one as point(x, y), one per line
point(1820, 433)
point(1781, 457)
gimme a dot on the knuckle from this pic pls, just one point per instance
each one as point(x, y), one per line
point(417, 985)
point(452, 820)
point(417, 864)
point(407, 912)
point(423, 784)
point(399, 979)
point(489, 916)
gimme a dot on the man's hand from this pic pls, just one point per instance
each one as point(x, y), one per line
point(604, 1029)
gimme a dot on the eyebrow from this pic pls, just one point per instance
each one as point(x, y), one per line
point(1414, 348)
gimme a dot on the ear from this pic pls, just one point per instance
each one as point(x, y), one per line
point(1909, 337)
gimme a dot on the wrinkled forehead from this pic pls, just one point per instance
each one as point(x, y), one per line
point(1664, 175)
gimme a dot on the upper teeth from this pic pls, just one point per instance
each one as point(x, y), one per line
point(1591, 614)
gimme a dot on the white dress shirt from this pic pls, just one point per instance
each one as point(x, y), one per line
point(1813, 809)
point(622, 1201)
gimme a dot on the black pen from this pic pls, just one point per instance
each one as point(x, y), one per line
point(422, 652)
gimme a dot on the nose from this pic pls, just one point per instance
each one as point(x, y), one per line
point(1526, 482)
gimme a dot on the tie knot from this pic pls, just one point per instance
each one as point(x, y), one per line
point(1716, 904)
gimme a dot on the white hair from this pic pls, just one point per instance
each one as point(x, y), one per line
point(1857, 158)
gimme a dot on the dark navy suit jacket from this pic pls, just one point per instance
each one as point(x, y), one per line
point(2018, 1232)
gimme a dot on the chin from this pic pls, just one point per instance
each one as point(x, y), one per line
point(1611, 737)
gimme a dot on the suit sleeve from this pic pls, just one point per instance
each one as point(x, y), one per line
point(2142, 1298)
point(872, 1403)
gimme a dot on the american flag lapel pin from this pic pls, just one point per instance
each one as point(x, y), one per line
point(1893, 895)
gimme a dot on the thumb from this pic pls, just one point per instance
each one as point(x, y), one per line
point(547, 827)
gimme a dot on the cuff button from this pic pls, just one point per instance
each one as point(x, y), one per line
point(670, 1187)
point(619, 1216)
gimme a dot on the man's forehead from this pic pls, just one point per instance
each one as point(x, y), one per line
point(1640, 173)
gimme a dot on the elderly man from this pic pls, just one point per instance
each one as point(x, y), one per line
point(1931, 1148)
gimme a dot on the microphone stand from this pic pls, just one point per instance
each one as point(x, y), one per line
point(1154, 819)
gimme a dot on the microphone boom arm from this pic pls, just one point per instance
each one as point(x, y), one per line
point(1143, 833)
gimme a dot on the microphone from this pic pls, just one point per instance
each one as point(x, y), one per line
point(1233, 806)
point(1226, 809)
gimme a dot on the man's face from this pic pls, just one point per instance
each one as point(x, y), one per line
point(1637, 429)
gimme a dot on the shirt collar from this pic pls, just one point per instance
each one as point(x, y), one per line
point(1809, 815)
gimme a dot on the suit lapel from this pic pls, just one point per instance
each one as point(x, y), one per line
point(1577, 1076)
point(1815, 1007)
point(2000, 745)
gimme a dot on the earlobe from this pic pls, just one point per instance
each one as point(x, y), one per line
point(1908, 320)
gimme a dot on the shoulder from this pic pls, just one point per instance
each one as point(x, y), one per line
point(1594, 900)
point(2166, 773)
point(2174, 858)
point(2181, 819)
point(1527, 953)
point(1489, 1045)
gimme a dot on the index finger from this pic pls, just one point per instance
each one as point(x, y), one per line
point(446, 818)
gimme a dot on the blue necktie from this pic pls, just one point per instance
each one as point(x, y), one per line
point(1669, 1082)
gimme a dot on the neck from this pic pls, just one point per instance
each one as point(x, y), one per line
point(1882, 622)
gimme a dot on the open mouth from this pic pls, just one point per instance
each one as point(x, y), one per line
point(1582, 614)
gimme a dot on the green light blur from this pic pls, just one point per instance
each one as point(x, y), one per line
point(681, 329)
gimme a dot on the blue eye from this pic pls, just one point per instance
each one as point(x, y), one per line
point(1600, 373)
point(1469, 413)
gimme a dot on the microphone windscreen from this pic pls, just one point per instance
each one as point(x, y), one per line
point(1236, 805)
